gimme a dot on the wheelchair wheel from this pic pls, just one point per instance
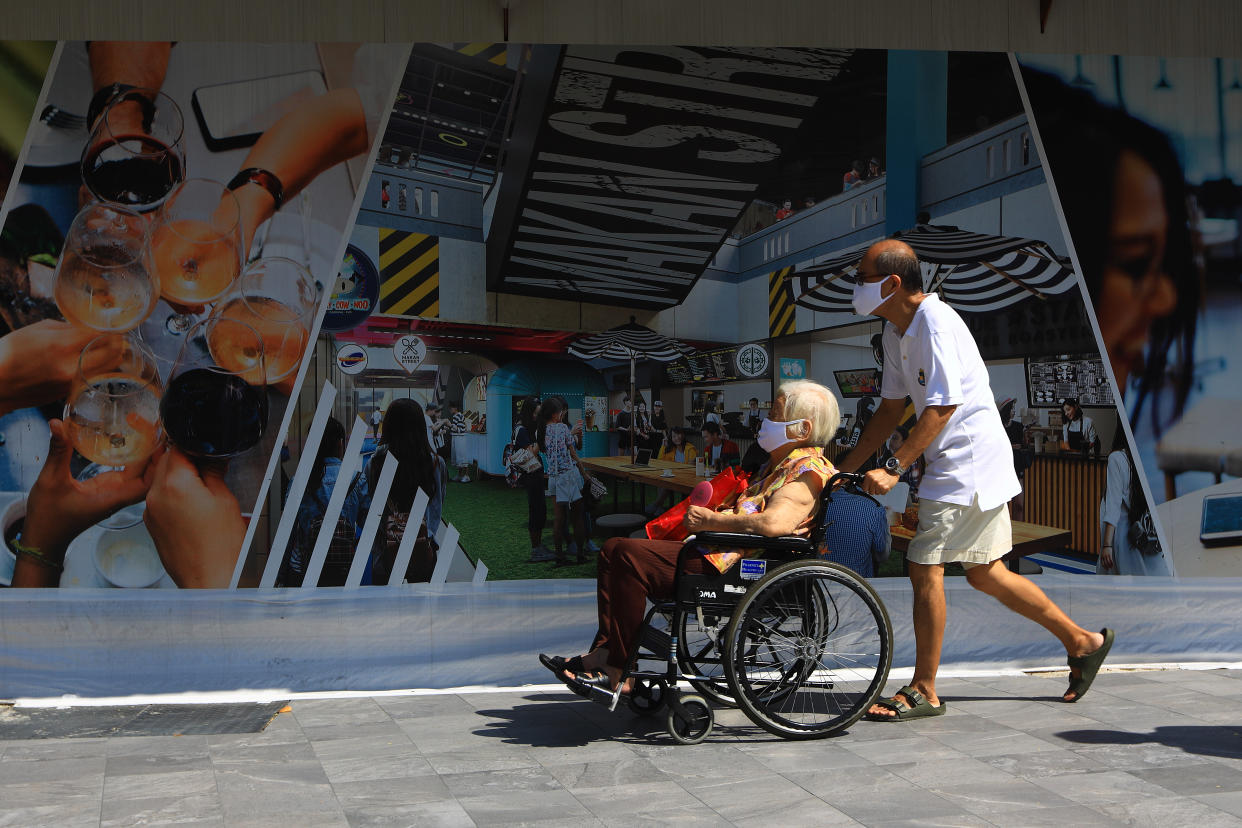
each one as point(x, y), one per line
point(692, 723)
point(808, 650)
point(646, 699)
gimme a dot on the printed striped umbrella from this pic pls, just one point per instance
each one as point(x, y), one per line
point(973, 272)
point(630, 341)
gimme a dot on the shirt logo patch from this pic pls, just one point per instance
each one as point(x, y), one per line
point(922, 378)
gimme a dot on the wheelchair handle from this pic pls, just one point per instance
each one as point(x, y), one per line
point(852, 478)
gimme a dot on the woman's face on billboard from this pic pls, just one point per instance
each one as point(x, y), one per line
point(1135, 290)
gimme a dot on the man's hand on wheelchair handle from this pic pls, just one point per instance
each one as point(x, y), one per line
point(878, 482)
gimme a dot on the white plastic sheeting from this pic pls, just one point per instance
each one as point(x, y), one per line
point(122, 642)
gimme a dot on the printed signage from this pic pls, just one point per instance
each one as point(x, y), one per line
point(793, 369)
point(355, 296)
point(409, 351)
point(752, 360)
point(351, 358)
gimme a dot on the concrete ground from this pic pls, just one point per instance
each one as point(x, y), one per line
point(1143, 748)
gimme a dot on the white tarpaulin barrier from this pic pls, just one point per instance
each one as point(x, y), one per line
point(122, 642)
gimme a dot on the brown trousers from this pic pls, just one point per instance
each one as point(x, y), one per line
point(631, 570)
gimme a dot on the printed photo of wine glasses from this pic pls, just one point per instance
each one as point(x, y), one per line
point(164, 260)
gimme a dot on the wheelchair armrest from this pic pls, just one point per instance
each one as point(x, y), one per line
point(792, 543)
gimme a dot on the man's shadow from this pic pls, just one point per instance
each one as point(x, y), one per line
point(1207, 740)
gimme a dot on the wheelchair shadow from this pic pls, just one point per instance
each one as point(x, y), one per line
point(1223, 741)
point(569, 721)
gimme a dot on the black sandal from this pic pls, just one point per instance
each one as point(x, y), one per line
point(559, 666)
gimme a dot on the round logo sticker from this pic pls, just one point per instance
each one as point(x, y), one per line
point(355, 296)
point(351, 358)
point(752, 360)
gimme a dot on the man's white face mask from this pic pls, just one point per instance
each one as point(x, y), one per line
point(868, 296)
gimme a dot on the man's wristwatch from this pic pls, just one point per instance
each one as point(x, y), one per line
point(893, 467)
point(264, 178)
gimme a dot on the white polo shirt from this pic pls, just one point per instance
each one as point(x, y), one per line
point(937, 362)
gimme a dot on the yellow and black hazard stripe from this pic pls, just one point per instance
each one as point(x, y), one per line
point(496, 53)
point(409, 273)
point(781, 311)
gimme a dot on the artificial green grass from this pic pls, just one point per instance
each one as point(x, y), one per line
point(491, 519)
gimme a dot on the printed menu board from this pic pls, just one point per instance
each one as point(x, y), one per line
point(1049, 380)
point(735, 362)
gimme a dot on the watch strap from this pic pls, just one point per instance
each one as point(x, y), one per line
point(106, 95)
point(264, 178)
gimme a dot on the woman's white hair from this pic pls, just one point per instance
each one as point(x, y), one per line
point(806, 400)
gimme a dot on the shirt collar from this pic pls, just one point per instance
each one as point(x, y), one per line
point(919, 316)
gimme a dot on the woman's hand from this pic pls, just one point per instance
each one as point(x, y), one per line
point(195, 522)
point(1106, 557)
point(60, 508)
point(38, 363)
point(698, 519)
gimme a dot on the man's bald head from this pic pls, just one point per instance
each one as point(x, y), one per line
point(896, 257)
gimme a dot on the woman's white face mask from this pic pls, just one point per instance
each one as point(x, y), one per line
point(868, 296)
point(773, 435)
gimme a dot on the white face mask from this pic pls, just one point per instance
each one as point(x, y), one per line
point(868, 297)
point(772, 434)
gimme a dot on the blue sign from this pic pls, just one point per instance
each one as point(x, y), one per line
point(355, 296)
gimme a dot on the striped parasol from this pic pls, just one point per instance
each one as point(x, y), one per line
point(630, 341)
point(974, 272)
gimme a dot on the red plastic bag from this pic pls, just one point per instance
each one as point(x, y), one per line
point(726, 486)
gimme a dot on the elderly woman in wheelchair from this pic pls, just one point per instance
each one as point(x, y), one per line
point(779, 508)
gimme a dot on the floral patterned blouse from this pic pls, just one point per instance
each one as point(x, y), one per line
point(765, 484)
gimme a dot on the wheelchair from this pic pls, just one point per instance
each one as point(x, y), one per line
point(802, 645)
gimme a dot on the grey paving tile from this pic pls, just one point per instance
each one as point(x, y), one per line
point(348, 760)
point(897, 751)
point(317, 712)
point(387, 729)
point(391, 793)
point(197, 810)
point(1230, 803)
point(175, 783)
point(1043, 763)
point(319, 819)
point(989, 800)
point(704, 763)
point(524, 806)
point(1102, 787)
point(1159, 813)
point(1191, 780)
point(775, 798)
point(275, 790)
point(76, 814)
point(997, 742)
point(157, 746)
point(26, 750)
point(810, 811)
point(132, 764)
point(1139, 756)
point(284, 729)
point(439, 814)
point(959, 770)
point(418, 707)
point(642, 801)
point(1075, 815)
point(490, 783)
point(51, 770)
point(803, 756)
point(231, 755)
point(606, 774)
point(913, 805)
point(482, 758)
point(69, 792)
point(597, 751)
point(940, 821)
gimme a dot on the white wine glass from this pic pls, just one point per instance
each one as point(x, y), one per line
point(278, 298)
point(102, 281)
point(194, 249)
point(113, 409)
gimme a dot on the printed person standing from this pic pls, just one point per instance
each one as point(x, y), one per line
point(932, 358)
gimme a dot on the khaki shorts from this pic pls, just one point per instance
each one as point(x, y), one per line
point(967, 535)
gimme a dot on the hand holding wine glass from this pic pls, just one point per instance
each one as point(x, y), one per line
point(135, 154)
point(113, 411)
point(215, 405)
point(102, 282)
point(59, 508)
point(38, 363)
point(278, 298)
point(195, 521)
